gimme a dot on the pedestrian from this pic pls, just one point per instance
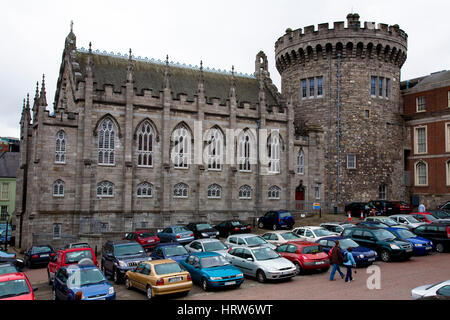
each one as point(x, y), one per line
point(421, 207)
point(336, 260)
point(350, 263)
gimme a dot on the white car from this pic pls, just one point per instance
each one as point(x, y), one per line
point(407, 220)
point(247, 240)
point(437, 290)
point(312, 233)
point(204, 245)
point(280, 237)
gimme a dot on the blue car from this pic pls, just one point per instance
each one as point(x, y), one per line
point(363, 256)
point(174, 251)
point(178, 234)
point(212, 270)
point(420, 245)
point(87, 279)
point(276, 220)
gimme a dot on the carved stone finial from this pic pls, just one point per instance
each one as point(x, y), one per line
point(71, 25)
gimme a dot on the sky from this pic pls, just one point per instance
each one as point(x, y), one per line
point(221, 33)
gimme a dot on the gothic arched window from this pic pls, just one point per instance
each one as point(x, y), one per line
point(60, 147)
point(301, 162)
point(421, 174)
point(180, 190)
point(245, 192)
point(214, 191)
point(181, 149)
point(215, 149)
point(144, 190)
point(244, 151)
point(105, 189)
point(145, 142)
point(106, 142)
point(274, 192)
point(58, 188)
point(274, 153)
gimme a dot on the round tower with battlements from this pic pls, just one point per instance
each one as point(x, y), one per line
point(346, 79)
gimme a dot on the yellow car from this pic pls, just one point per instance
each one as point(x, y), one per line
point(158, 277)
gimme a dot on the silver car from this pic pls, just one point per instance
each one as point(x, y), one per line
point(437, 290)
point(261, 262)
point(407, 220)
point(247, 240)
point(210, 245)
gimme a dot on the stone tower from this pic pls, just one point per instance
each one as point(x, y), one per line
point(347, 81)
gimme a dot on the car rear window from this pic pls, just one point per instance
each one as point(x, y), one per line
point(167, 268)
point(311, 249)
point(146, 234)
point(203, 226)
point(76, 256)
point(180, 230)
point(235, 223)
point(285, 214)
point(41, 249)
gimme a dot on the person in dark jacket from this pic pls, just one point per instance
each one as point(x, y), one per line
point(336, 260)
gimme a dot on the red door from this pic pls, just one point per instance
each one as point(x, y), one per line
point(299, 196)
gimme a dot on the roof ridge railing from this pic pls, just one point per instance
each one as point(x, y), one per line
point(162, 62)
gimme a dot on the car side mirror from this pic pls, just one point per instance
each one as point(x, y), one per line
point(249, 259)
point(35, 289)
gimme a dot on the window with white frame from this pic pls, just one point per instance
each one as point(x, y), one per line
point(106, 142)
point(420, 139)
point(274, 152)
point(244, 151)
point(57, 231)
point(4, 192)
point(421, 173)
point(301, 162)
point(351, 161)
point(274, 192)
point(245, 192)
point(215, 149)
point(60, 147)
point(317, 191)
point(382, 192)
point(58, 188)
point(181, 149)
point(144, 190)
point(421, 104)
point(105, 189)
point(145, 142)
point(447, 137)
point(214, 191)
point(180, 190)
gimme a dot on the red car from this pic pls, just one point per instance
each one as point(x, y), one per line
point(145, 238)
point(304, 255)
point(15, 286)
point(424, 216)
point(68, 257)
point(402, 207)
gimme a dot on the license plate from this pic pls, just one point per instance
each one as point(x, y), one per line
point(320, 262)
point(409, 250)
point(371, 259)
point(428, 248)
point(176, 279)
point(229, 283)
point(150, 241)
point(44, 255)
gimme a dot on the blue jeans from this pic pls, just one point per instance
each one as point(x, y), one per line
point(333, 271)
point(348, 276)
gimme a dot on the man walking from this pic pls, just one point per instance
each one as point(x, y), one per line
point(336, 260)
point(350, 263)
point(421, 207)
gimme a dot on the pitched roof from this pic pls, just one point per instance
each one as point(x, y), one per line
point(9, 162)
point(432, 81)
point(112, 70)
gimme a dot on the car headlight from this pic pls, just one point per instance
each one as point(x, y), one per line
point(394, 246)
point(361, 256)
point(149, 259)
point(111, 290)
point(215, 278)
point(205, 234)
point(239, 275)
point(122, 264)
point(217, 233)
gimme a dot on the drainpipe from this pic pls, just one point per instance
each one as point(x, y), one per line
point(258, 125)
point(338, 131)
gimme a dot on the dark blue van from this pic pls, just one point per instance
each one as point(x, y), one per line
point(274, 220)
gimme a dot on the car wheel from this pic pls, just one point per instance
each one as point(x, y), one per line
point(439, 247)
point(260, 225)
point(116, 276)
point(127, 283)
point(149, 293)
point(385, 256)
point(298, 268)
point(205, 286)
point(274, 227)
point(49, 279)
point(260, 276)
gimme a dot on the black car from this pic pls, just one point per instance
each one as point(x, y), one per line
point(384, 242)
point(438, 232)
point(13, 260)
point(385, 208)
point(355, 208)
point(38, 255)
point(440, 214)
point(337, 227)
point(228, 227)
point(120, 256)
point(445, 207)
point(202, 230)
point(8, 268)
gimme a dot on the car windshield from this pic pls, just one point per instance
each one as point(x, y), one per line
point(383, 235)
point(203, 226)
point(79, 245)
point(8, 269)
point(41, 249)
point(262, 254)
point(85, 277)
point(128, 249)
point(405, 234)
point(76, 256)
point(322, 232)
point(431, 217)
point(175, 251)
point(255, 241)
point(167, 268)
point(346, 243)
point(289, 236)
point(412, 219)
point(285, 214)
point(388, 221)
point(311, 249)
point(214, 261)
point(214, 246)
point(145, 234)
point(13, 288)
point(180, 230)
point(235, 223)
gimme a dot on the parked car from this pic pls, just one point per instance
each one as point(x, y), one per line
point(178, 234)
point(148, 240)
point(304, 255)
point(355, 209)
point(16, 286)
point(387, 221)
point(228, 227)
point(279, 237)
point(385, 208)
point(440, 214)
point(445, 207)
point(174, 251)
point(363, 256)
point(424, 217)
point(6, 238)
point(12, 259)
point(336, 227)
point(38, 255)
point(77, 245)
point(312, 233)
point(68, 257)
point(247, 240)
point(159, 277)
point(207, 245)
point(276, 220)
point(7, 267)
point(202, 230)
point(83, 280)
point(120, 256)
point(212, 270)
point(407, 220)
point(439, 290)
point(261, 262)
point(420, 245)
point(402, 207)
point(437, 232)
point(387, 246)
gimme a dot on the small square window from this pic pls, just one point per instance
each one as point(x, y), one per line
point(351, 161)
point(421, 104)
point(367, 114)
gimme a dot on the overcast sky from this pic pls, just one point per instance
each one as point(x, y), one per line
point(221, 33)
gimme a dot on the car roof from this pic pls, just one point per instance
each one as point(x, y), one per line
point(75, 249)
point(206, 240)
point(334, 238)
point(312, 227)
point(120, 242)
point(205, 254)
point(80, 266)
point(279, 231)
point(159, 261)
point(13, 276)
point(244, 235)
point(168, 244)
point(303, 243)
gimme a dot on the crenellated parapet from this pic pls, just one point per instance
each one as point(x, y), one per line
point(370, 41)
